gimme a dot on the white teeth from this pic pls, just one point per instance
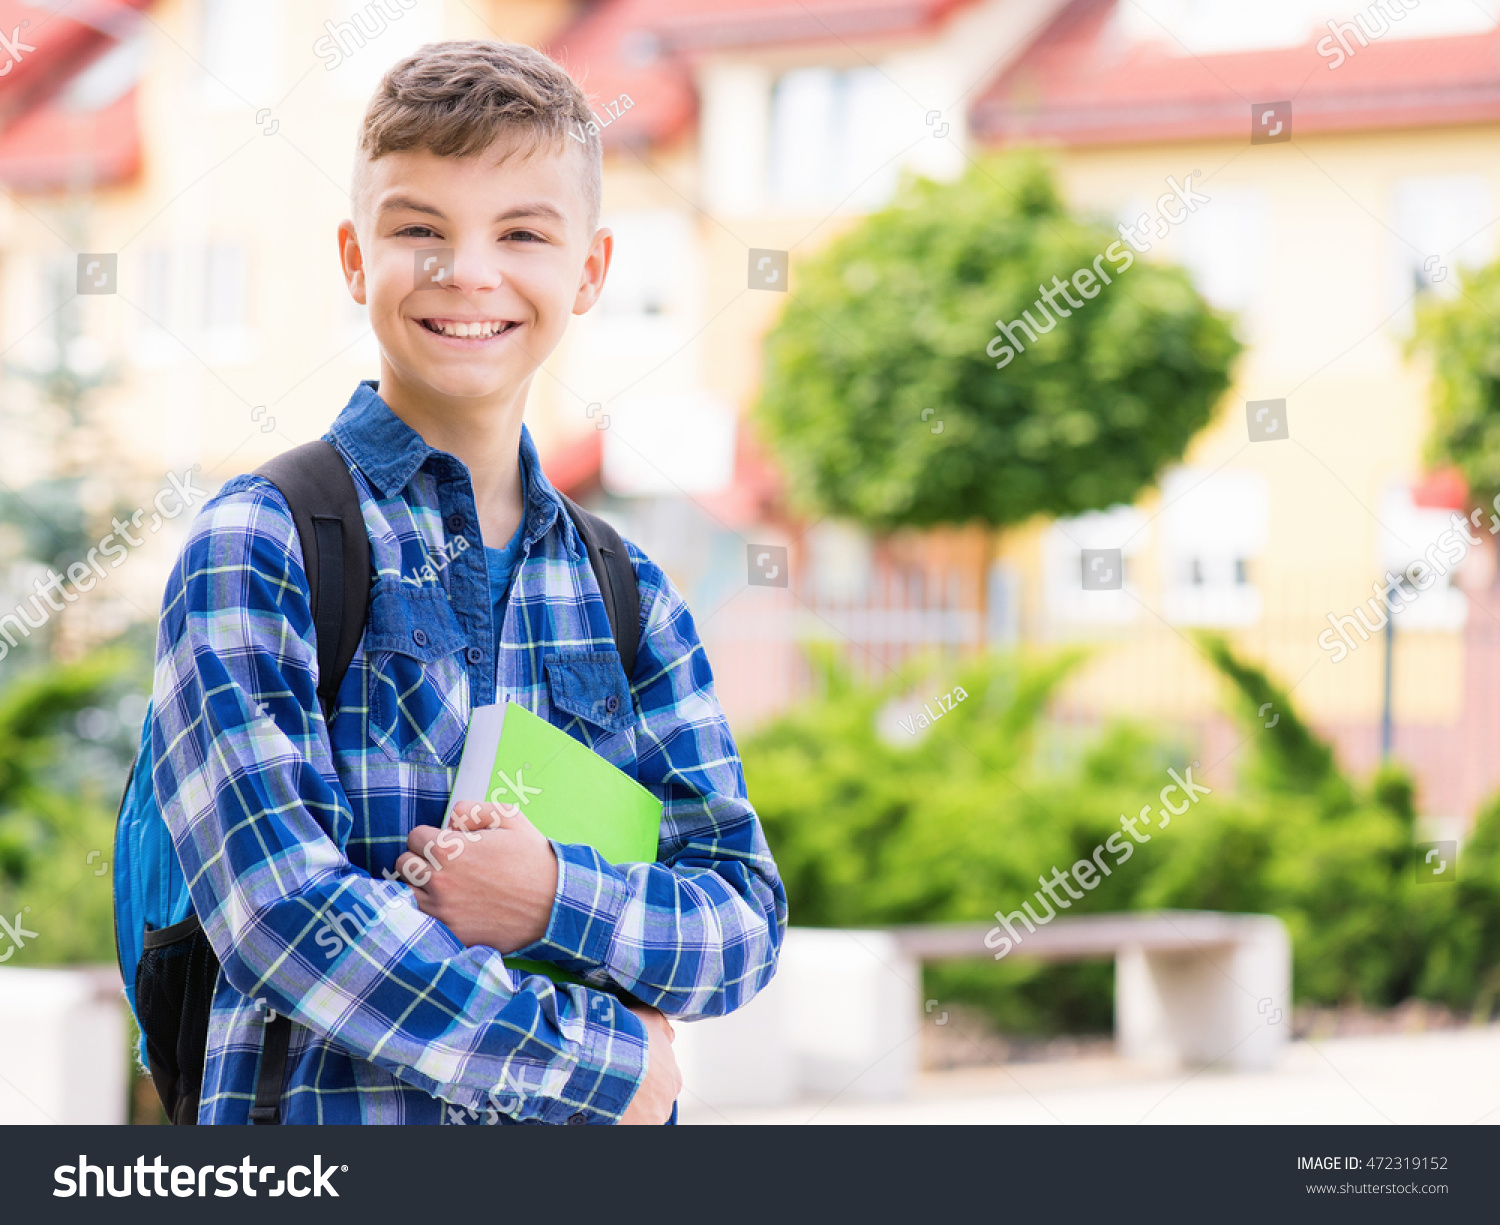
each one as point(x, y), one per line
point(470, 330)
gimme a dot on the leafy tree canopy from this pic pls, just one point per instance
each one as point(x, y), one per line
point(893, 319)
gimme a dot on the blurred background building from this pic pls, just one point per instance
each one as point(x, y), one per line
point(206, 144)
point(173, 173)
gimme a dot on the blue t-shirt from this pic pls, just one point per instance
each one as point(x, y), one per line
point(502, 567)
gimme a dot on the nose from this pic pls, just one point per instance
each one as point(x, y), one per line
point(476, 268)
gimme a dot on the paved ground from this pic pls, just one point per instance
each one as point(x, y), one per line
point(1446, 1077)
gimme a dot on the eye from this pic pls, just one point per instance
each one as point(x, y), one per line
point(527, 235)
point(416, 231)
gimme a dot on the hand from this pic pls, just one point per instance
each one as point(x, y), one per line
point(652, 1103)
point(490, 877)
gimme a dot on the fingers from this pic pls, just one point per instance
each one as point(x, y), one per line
point(472, 815)
point(413, 869)
point(420, 838)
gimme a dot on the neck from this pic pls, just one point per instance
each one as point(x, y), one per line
point(483, 432)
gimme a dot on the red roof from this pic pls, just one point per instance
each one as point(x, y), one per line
point(54, 147)
point(1078, 84)
point(644, 48)
point(44, 143)
point(65, 40)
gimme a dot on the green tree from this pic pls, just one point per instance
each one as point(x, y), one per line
point(1462, 335)
point(883, 342)
point(69, 705)
point(57, 803)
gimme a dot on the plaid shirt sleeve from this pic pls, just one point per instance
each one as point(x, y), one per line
point(244, 774)
point(697, 933)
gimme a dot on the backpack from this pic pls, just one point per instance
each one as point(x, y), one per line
point(167, 964)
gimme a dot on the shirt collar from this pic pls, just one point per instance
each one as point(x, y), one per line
point(389, 452)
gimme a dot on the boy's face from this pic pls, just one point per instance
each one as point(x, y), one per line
point(522, 260)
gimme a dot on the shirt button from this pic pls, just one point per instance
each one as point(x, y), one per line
point(612, 703)
point(580, 1117)
point(419, 637)
point(455, 523)
point(474, 655)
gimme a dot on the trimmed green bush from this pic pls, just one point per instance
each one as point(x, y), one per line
point(960, 824)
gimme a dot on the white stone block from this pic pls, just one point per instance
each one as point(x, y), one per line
point(1228, 1006)
point(743, 1059)
point(64, 1054)
point(853, 1012)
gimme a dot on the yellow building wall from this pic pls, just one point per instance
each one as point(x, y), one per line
point(1319, 333)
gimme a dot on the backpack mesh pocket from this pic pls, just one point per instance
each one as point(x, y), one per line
point(174, 990)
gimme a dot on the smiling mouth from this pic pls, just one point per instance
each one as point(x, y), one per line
point(463, 329)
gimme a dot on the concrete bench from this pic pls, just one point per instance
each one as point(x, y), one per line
point(845, 1011)
point(64, 1055)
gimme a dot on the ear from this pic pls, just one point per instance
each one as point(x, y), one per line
point(595, 268)
point(352, 260)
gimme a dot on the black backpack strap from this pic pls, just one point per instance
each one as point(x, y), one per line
point(274, 1044)
point(324, 502)
point(615, 576)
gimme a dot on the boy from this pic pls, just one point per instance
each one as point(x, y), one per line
point(288, 826)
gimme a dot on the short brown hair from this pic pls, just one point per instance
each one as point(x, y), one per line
point(455, 98)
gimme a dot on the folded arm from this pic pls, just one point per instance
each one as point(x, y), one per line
point(697, 932)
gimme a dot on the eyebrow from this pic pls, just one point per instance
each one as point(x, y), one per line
point(412, 205)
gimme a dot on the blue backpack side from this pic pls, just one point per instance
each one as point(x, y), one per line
point(150, 889)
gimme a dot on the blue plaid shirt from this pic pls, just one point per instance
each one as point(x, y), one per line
point(285, 824)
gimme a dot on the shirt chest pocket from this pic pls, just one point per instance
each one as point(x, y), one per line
point(591, 685)
point(419, 688)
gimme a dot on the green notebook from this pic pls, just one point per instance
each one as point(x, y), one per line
point(561, 786)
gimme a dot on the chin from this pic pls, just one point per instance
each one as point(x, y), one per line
point(469, 384)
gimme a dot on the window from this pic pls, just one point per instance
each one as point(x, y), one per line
point(840, 562)
point(225, 287)
point(834, 137)
point(1408, 536)
point(649, 274)
point(1003, 604)
point(225, 315)
point(1223, 246)
point(1214, 524)
point(669, 442)
point(641, 334)
point(1440, 224)
point(156, 345)
point(241, 53)
point(1121, 527)
point(42, 300)
point(156, 269)
point(193, 300)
